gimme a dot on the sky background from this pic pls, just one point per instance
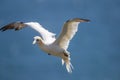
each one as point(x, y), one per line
point(95, 50)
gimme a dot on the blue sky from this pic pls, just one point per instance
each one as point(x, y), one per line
point(95, 50)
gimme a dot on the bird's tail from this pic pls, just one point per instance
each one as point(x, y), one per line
point(69, 66)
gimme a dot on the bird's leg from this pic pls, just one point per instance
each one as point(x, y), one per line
point(66, 53)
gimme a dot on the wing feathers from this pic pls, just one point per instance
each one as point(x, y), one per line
point(47, 36)
point(14, 25)
point(68, 31)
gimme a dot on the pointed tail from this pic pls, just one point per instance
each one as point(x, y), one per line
point(69, 66)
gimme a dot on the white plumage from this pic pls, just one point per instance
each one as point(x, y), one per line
point(48, 43)
point(47, 36)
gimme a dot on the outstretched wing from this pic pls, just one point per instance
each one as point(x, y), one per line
point(47, 36)
point(68, 31)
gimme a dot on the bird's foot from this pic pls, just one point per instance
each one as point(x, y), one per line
point(66, 53)
point(49, 54)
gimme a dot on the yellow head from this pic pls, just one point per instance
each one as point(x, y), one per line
point(38, 40)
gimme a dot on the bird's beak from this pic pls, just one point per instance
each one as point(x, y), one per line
point(34, 42)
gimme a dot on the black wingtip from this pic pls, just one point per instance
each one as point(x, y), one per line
point(78, 20)
point(14, 25)
point(2, 29)
point(85, 20)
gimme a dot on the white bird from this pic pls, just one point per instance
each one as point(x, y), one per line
point(47, 42)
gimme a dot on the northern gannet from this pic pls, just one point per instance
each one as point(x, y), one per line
point(47, 41)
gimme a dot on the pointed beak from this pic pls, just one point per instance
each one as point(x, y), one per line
point(34, 42)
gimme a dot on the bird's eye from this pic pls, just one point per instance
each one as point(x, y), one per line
point(37, 39)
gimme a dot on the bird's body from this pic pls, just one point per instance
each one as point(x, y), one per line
point(48, 43)
point(51, 49)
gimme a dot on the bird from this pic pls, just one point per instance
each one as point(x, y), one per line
point(48, 42)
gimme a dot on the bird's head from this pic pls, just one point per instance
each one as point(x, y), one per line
point(37, 40)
